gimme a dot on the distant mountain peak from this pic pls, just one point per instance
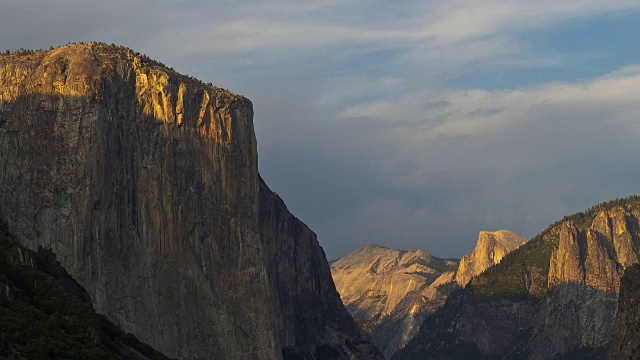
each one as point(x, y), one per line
point(390, 291)
point(490, 248)
point(507, 238)
point(554, 297)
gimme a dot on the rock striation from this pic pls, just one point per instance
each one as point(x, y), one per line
point(389, 292)
point(145, 185)
point(554, 297)
point(312, 321)
point(626, 340)
point(46, 314)
point(490, 249)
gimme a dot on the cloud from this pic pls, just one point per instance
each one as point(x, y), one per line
point(441, 35)
point(361, 125)
point(474, 111)
point(461, 20)
point(458, 161)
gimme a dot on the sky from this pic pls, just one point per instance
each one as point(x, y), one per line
point(410, 124)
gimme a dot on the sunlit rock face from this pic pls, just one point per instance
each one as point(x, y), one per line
point(596, 256)
point(391, 291)
point(490, 249)
point(554, 297)
point(145, 184)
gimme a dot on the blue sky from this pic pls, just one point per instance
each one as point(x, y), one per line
point(412, 124)
point(585, 48)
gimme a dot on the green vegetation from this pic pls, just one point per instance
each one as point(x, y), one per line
point(120, 52)
point(437, 339)
point(47, 315)
point(528, 267)
point(584, 219)
point(448, 287)
point(521, 276)
point(519, 271)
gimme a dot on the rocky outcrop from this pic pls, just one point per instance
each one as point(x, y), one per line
point(554, 297)
point(391, 291)
point(145, 184)
point(626, 340)
point(490, 249)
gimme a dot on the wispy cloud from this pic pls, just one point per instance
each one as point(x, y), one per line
point(462, 20)
point(453, 33)
point(617, 88)
point(361, 125)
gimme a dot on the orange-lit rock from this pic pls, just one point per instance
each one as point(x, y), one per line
point(490, 249)
point(145, 184)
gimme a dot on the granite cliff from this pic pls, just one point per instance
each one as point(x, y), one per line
point(554, 297)
point(389, 292)
point(45, 314)
point(145, 185)
point(490, 249)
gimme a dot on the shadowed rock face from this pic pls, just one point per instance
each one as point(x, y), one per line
point(45, 314)
point(626, 340)
point(391, 291)
point(554, 297)
point(145, 184)
point(312, 321)
point(490, 249)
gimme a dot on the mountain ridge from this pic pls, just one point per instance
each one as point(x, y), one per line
point(534, 305)
point(390, 291)
point(145, 184)
point(490, 248)
point(384, 289)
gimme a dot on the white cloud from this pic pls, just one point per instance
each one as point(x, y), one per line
point(436, 33)
point(356, 119)
point(459, 20)
point(476, 111)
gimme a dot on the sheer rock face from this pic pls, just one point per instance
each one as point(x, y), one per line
point(145, 184)
point(490, 249)
point(626, 341)
point(596, 256)
point(569, 312)
point(312, 321)
point(46, 314)
point(391, 291)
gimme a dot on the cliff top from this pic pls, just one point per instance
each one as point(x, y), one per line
point(383, 255)
point(508, 239)
point(383, 259)
point(84, 55)
point(388, 288)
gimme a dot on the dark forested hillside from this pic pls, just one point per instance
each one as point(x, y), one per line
point(45, 314)
point(554, 297)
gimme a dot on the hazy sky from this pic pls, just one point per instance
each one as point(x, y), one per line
point(411, 124)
